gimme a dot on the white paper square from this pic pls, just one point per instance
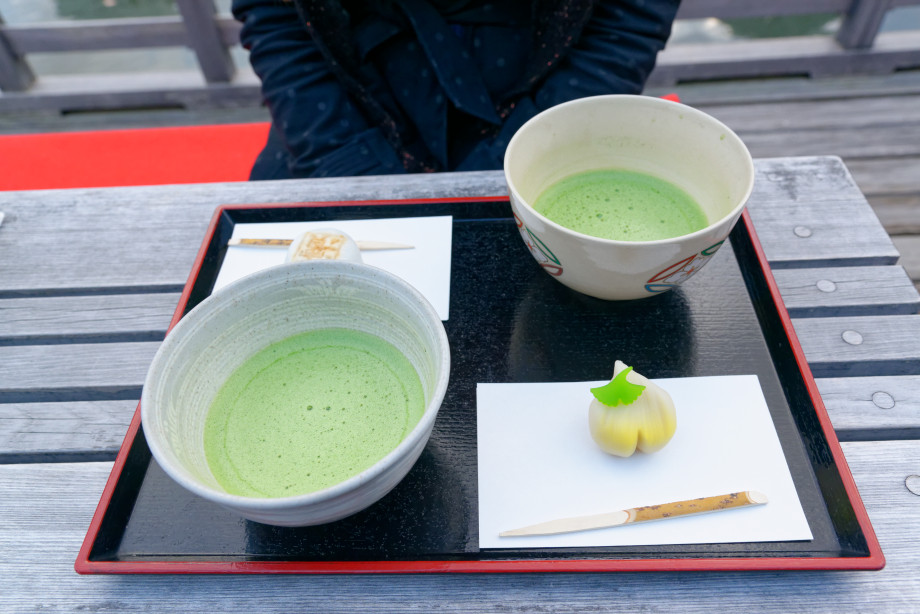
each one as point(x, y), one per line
point(537, 462)
point(426, 267)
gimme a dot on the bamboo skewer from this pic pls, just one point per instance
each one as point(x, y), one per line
point(641, 514)
point(362, 245)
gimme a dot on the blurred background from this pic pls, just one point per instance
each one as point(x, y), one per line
point(20, 12)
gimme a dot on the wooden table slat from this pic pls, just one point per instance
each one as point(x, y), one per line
point(847, 291)
point(860, 345)
point(54, 432)
point(880, 176)
point(79, 371)
point(60, 319)
point(876, 407)
point(806, 115)
point(890, 140)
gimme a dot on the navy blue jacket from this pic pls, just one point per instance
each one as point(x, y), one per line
point(378, 87)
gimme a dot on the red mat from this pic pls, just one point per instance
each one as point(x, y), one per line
point(148, 156)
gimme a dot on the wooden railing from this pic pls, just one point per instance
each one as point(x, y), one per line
point(857, 47)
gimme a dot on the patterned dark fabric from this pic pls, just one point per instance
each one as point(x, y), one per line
point(374, 87)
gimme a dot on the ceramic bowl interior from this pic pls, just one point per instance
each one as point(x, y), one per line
point(227, 328)
point(666, 139)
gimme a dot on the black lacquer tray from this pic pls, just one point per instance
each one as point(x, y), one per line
point(509, 322)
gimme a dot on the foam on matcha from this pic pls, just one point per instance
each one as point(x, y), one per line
point(310, 411)
point(621, 205)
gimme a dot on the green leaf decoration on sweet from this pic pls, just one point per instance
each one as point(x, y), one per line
point(618, 390)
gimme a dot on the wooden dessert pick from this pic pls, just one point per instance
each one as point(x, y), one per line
point(362, 245)
point(642, 514)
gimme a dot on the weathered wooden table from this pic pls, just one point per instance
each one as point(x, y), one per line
point(88, 282)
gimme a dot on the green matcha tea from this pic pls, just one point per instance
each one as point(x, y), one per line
point(621, 205)
point(310, 411)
